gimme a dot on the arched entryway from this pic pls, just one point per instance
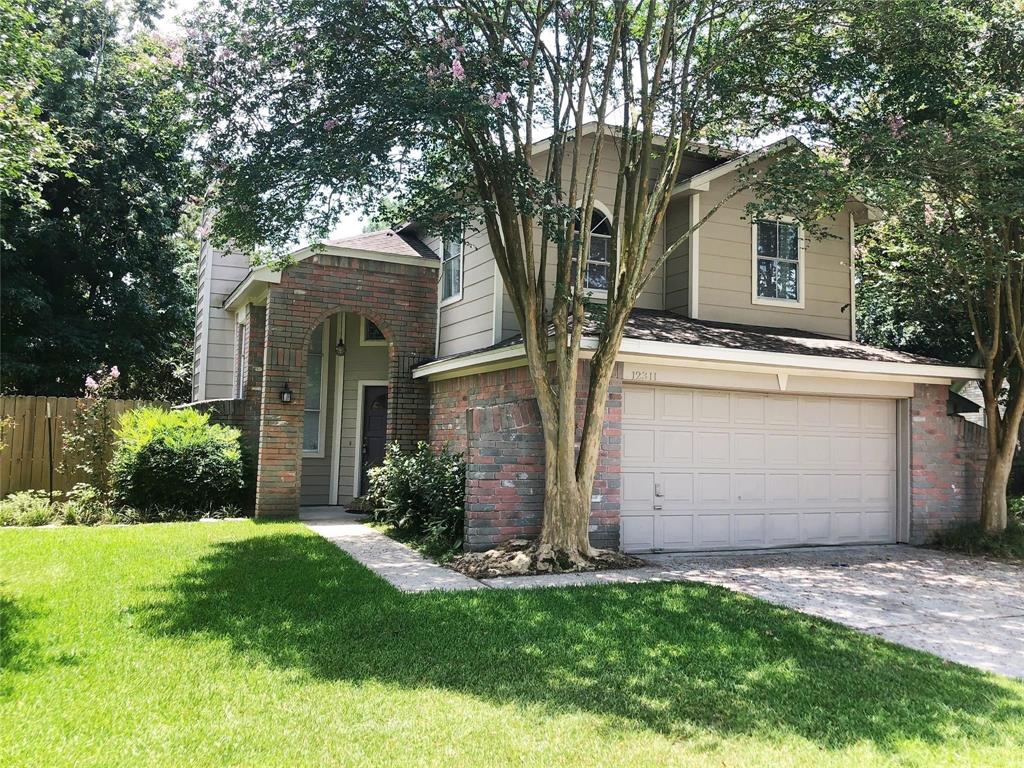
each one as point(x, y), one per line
point(345, 410)
point(385, 315)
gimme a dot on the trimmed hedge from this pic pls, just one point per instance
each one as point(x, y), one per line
point(174, 464)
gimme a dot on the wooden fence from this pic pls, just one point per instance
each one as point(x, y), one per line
point(25, 458)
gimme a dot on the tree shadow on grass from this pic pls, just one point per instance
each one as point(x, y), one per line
point(672, 658)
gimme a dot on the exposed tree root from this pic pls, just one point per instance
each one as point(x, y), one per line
point(520, 557)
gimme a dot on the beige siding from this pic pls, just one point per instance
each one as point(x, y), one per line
point(677, 268)
point(468, 323)
point(316, 471)
point(361, 363)
point(725, 292)
point(213, 372)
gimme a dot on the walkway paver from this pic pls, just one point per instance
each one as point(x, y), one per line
point(399, 565)
point(966, 610)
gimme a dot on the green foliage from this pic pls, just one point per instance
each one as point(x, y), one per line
point(89, 437)
point(85, 505)
point(973, 539)
point(98, 270)
point(175, 464)
point(420, 493)
point(27, 508)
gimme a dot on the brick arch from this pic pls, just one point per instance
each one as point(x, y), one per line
point(401, 299)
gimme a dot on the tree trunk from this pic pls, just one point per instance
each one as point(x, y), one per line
point(993, 493)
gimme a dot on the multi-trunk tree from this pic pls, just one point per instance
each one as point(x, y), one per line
point(498, 114)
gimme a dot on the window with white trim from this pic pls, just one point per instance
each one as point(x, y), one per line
point(451, 269)
point(599, 260)
point(316, 382)
point(777, 261)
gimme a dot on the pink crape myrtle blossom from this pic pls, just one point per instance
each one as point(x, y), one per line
point(458, 73)
point(330, 124)
point(114, 372)
point(499, 99)
point(91, 384)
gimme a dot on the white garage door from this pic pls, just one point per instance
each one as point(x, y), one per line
point(707, 469)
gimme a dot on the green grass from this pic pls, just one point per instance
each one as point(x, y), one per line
point(259, 644)
point(972, 539)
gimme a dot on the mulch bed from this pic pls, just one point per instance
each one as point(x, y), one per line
point(518, 557)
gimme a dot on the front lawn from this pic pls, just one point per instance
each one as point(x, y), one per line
point(260, 644)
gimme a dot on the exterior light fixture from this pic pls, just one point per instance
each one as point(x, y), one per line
point(339, 350)
point(286, 393)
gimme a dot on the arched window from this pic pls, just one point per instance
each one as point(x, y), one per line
point(599, 261)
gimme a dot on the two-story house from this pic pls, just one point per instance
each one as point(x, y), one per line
point(743, 412)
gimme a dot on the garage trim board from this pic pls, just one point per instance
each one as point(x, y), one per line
point(718, 469)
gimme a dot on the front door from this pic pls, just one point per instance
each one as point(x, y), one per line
point(375, 423)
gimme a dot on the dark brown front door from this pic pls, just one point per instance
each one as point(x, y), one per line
point(375, 424)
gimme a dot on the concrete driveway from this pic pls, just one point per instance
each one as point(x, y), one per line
point(963, 609)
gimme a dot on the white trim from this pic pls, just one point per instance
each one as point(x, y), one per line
point(365, 342)
point(205, 302)
point(357, 460)
point(694, 254)
point(455, 297)
point(904, 449)
point(498, 308)
point(325, 367)
point(339, 402)
point(853, 284)
point(800, 300)
point(513, 355)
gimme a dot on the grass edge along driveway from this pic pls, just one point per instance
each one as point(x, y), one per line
point(261, 644)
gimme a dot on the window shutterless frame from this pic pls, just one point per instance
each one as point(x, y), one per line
point(321, 409)
point(769, 260)
point(452, 253)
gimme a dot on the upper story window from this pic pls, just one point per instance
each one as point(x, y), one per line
point(313, 421)
point(778, 271)
point(599, 260)
point(451, 270)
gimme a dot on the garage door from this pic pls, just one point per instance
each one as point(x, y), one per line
point(708, 469)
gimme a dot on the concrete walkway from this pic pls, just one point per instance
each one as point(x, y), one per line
point(966, 610)
point(399, 565)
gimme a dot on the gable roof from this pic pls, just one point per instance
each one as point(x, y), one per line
point(394, 241)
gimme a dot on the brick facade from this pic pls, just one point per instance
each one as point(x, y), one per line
point(493, 418)
point(400, 299)
point(947, 464)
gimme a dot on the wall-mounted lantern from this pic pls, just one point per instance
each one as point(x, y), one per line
point(286, 393)
point(339, 350)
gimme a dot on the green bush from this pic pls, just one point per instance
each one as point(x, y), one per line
point(420, 493)
point(972, 539)
point(170, 465)
point(85, 505)
point(27, 508)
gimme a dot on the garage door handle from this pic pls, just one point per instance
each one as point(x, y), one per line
point(657, 490)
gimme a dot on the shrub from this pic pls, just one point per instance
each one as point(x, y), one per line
point(85, 505)
point(972, 539)
point(175, 464)
point(420, 493)
point(27, 508)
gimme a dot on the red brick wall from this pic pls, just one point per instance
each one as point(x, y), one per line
point(947, 465)
point(399, 299)
point(493, 418)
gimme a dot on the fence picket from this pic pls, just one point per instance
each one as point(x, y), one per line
point(24, 462)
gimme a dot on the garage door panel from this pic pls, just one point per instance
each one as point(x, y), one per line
point(676, 531)
point(748, 530)
point(677, 405)
point(638, 403)
point(782, 528)
point(712, 530)
point(713, 448)
point(713, 488)
point(741, 469)
point(749, 448)
point(636, 534)
point(713, 407)
point(676, 446)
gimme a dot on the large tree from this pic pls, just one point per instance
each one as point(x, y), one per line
point(95, 266)
point(921, 106)
point(471, 112)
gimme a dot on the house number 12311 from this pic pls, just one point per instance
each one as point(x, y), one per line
point(645, 376)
